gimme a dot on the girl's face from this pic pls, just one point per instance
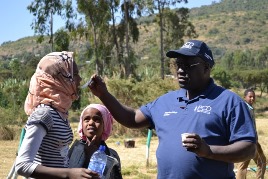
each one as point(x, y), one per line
point(92, 123)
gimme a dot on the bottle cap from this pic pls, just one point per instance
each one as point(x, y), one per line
point(102, 148)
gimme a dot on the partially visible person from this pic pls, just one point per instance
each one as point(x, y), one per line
point(259, 158)
point(44, 150)
point(218, 120)
point(94, 128)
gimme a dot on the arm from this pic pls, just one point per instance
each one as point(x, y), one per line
point(29, 147)
point(124, 115)
point(236, 152)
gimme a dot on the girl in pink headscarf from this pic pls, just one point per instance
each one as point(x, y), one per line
point(101, 125)
point(94, 128)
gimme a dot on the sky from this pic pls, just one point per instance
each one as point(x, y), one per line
point(16, 20)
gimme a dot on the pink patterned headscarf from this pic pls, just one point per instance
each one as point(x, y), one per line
point(53, 84)
point(107, 121)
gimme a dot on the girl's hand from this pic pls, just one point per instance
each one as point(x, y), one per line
point(77, 173)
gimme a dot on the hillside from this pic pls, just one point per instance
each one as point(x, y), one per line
point(232, 25)
point(226, 26)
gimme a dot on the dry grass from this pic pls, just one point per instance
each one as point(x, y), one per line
point(133, 160)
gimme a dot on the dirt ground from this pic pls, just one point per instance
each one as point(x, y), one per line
point(133, 160)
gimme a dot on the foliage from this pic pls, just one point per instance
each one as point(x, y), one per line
point(253, 78)
point(12, 94)
point(135, 93)
point(97, 18)
point(13, 91)
point(223, 77)
point(6, 133)
point(44, 12)
point(12, 116)
point(261, 106)
point(231, 6)
point(127, 29)
point(177, 27)
point(164, 17)
point(62, 41)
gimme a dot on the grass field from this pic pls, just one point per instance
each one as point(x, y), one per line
point(133, 160)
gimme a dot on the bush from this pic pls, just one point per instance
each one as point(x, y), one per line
point(213, 31)
point(12, 116)
point(246, 40)
point(133, 93)
point(6, 133)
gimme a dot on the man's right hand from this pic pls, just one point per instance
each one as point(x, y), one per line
point(98, 87)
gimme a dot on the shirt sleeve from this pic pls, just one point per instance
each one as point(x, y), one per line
point(32, 140)
point(241, 124)
point(41, 116)
point(145, 109)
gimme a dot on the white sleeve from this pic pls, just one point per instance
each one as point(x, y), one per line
point(32, 140)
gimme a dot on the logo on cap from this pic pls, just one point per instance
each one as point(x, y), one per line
point(188, 45)
point(208, 57)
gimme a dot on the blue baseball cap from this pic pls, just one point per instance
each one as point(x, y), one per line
point(193, 48)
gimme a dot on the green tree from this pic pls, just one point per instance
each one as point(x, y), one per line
point(227, 61)
point(97, 17)
point(222, 77)
point(129, 27)
point(160, 7)
point(44, 11)
point(5, 71)
point(15, 65)
point(263, 80)
point(62, 40)
point(261, 58)
point(177, 26)
point(114, 7)
point(29, 66)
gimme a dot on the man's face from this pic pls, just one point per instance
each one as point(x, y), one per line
point(191, 72)
point(250, 98)
point(92, 123)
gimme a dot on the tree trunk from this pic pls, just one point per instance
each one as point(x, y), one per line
point(127, 39)
point(51, 32)
point(96, 52)
point(162, 59)
point(118, 56)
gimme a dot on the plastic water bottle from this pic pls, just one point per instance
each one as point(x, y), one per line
point(98, 161)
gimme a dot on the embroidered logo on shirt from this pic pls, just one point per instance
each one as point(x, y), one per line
point(203, 109)
point(168, 113)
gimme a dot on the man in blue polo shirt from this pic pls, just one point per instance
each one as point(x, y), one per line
point(218, 121)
